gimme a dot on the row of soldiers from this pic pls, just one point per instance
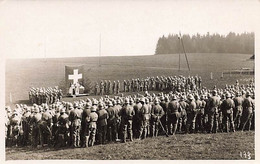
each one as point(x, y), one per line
point(162, 83)
point(45, 95)
point(88, 122)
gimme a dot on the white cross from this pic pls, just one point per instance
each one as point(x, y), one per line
point(76, 76)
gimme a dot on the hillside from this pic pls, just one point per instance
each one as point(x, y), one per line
point(24, 73)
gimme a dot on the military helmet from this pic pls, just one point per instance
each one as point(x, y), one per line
point(126, 101)
point(248, 93)
point(228, 95)
point(190, 97)
point(110, 103)
point(62, 110)
point(36, 110)
point(174, 97)
point(142, 100)
point(93, 109)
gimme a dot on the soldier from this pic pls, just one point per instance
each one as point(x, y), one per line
point(127, 114)
point(26, 126)
point(101, 88)
point(118, 87)
point(63, 128)
point(111, 122)
point(96, 89)
point(15, 128)
point(45, 127)
point(164, 104)
point(156, 114)
point(136, 119)
point(125, 86)
point(183, 114)
point(173, 114)
point(201, 115)
point(55, 124)
point(114, 87)
point(108, 87)
point(247, 113)
point(227, 107)
point(85, 124)
point(35, 130)
point(238, 100)
point(105, 86)
point(198, 102)
point(102, 123)
point(75, 119)
point(191, 114)
point(213, 111)
point(145, 116)
point(92, 126)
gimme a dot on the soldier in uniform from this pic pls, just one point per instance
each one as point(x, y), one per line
point(26, 126)
point(92, 126)
point(164, 104)
point(35, 121)
point(145, 116)
point(102, 123)
point(111, 122)
point(15, 126)
point(85, 120)
point(213, 111)
point(75, 119)
point(183, 114)
point(118, 87)
point(198, 112)
point(136, 119)
point(156, 114)
point(238, 100)
point(191, 114)
point(173, 114)
point(45, 127)
point(127, 113)
point(114, 87)
point(101, 88)
point(108, 87)
point(63, 128)
point(227, 107)
point(247, 113)
point(96, 89)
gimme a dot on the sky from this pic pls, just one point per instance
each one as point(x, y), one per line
point(38, 29)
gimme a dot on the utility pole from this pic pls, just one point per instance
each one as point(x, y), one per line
point(184, 51)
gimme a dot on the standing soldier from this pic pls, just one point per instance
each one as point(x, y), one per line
point(26, 126)
point(213, 111)
point(96, 88)
point(114, 87)
point(108, 87)
point(183, 114)
point(105, 86)
point(85, 119)
point(227, 107)
point(118, 87)
point(92, 126)
point(238, 100)
point(75, 119)
point(15, 126)
point(63, 128)
point(156, 113)
point(247, 113)
point(145, 119)
point(127, 114)
point(111, 122)
point(191, 114)
point(102, 123)
point(101, 88)
point(35, 122)
point(164, 104)
point(173, 114)
point(55, 124)
point(136, 119)
point(125, 85)
point(45, 127)
point(198, 112)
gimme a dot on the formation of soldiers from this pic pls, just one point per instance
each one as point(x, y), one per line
point(162, 83)
point(44, 95)
point(88, 122)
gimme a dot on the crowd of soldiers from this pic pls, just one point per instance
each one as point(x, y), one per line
point(44, 95)
point(162, 83)
point(85, 123)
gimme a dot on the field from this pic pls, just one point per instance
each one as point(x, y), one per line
point(24, 73)
point(192, 146)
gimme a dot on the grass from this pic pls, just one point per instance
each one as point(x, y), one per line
point(24, 73)
point(189, 146)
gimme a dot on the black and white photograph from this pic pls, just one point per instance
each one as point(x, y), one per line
point(128, 80)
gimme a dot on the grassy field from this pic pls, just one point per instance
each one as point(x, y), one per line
point(192, 146)
point(24, 73)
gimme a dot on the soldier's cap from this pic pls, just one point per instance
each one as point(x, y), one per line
point(62, 110)
point(228, 95)
point(76, 105)
point(190, 97)
point(88, 105)
point(162, 98)
point(248, 93)
point(110, 103)
point(36, 110)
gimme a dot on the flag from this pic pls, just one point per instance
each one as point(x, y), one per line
point(73, 75)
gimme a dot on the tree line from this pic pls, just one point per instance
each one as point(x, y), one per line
point(209, 43)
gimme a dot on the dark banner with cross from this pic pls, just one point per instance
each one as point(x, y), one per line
point(74, 78)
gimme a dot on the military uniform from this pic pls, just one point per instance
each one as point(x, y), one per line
point(213, 113)
point(111, 122)
point(85, 124)
point(238, 111)
point(102, 124)
point(227, 107)
point(247, 113)
point(75, 119)
point(92, 126)
point(173, 113)
point(156, 114)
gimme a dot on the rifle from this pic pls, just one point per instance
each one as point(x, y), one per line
point(167, 135)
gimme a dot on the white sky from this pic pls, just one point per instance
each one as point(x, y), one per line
point(72, 28)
